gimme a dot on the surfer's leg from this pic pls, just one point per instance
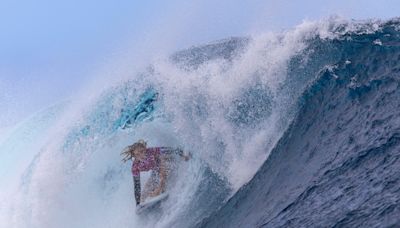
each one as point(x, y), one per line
point(171, 166)
point(151, 184)
point(169, 162)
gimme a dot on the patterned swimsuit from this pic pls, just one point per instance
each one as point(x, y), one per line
point(151, 162)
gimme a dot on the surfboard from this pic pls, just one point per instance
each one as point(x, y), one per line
point(151, 203)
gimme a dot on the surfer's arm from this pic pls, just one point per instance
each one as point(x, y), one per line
point(179, 151)
point(136, 183)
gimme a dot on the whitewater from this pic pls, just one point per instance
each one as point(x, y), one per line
point(265, 118)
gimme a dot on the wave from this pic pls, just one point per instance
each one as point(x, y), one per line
point(337, 163)
point(230, 103)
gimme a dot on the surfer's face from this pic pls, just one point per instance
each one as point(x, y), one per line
point(140, 153)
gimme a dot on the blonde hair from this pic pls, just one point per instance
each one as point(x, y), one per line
point(129, 151)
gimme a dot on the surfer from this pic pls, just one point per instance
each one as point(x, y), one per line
point(156, 159)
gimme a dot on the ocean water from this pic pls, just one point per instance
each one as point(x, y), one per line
point(265, 118)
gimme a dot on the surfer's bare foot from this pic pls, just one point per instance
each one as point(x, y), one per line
point(155, 193)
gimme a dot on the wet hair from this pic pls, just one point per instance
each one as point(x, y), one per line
point(129, 151)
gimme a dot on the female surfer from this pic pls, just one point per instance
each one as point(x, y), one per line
point(156, 159)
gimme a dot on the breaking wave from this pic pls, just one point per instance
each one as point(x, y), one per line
point(228, 103)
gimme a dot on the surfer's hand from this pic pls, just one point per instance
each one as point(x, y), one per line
point(187, 157)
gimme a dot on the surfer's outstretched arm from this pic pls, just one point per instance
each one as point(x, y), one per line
point(179, 152)
point(136, 183)
point(185, 157)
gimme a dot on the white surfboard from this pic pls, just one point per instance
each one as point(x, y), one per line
point(151, 203)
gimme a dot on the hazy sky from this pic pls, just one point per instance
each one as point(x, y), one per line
point(49, 48)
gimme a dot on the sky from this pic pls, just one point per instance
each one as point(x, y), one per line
point(50, 49)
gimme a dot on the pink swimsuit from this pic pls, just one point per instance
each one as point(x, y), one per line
point(151, 162)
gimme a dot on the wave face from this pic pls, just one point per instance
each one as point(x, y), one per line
point(310, 106)
point(338, 163)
